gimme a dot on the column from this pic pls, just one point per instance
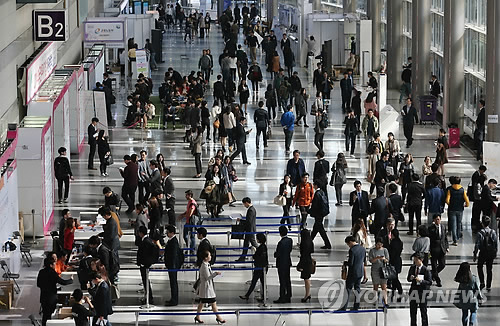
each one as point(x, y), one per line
point(394, 43)
point(454, 80)
point(493, 69)
point(272, 10)
point(316, 5)
point(421, 49)
point(349, 6)
point(375, 16)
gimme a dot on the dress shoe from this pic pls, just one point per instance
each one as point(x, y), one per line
point(248, 163)
point(92, 168)
point(326, 247)
point(241, 259)
point(170, 303)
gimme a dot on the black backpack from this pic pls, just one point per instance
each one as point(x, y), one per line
point(324, 122)
point(181, 257)
point(488, 243)
point(325, 205)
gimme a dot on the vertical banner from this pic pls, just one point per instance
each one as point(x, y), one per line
point(141, 60)
point(48, 178)
point(227, 4)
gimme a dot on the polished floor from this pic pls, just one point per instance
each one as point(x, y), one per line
point(259, 181)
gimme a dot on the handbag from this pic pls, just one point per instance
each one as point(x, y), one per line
point(343, 271)
point(216, 124)
point(238, 228)
point(109, 159)
point(234, 177)
point(313, 266)
point(196, 284)
point(115, 292)
point(279, 200)
point(388, 272)
point(269, 133)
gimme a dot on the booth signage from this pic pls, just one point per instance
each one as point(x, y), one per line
point(99, 31)
point(39, 70)
point(141, 61)
point(50, 25)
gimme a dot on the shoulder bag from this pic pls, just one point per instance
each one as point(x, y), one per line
point(388, 272)
point(279, 200)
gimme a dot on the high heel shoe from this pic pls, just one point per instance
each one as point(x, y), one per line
point(306, 299)
point(197, 320)
point(220, 321)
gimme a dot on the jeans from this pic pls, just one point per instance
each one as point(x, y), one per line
point(318, 140)
point(229, 132)
point(465, 317)
point(288, 139)
point(351, 283)
point(152, 61)
point(60, 187)
point(206, 74)
point(188, 234)
point(303, 216)
point(455, 224)
point(338, 192)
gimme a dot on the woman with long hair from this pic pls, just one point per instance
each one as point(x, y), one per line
point(301, 107)
point(228, 175)
point(362, 237)
point(271, 101)
point(103, 151)
point(469, 294)
point(286, 191)
point(441, 148)
point(260, 261)
point(339, 169)
point(206, 290)
point(305, 263)
point(160, 159)
point(378, 256)
point(395, 250)
point(244, 92)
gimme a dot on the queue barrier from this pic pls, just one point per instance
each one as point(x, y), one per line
point(228, 232)
point(238, 313)
point(230, 225)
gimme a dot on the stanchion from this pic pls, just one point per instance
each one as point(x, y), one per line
point(228, 238)
point(136, 318)
point(385, 315)
point(237, 312)
point(376, 310)
point(310, 317)
point(33, 221)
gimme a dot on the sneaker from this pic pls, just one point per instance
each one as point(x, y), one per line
point(103, 174)
point(352, 156)
point(65, 200)
point(454, 244)
point(60, 201)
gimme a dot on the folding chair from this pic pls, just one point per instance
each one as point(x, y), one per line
point(8, 276)
point(25, 250)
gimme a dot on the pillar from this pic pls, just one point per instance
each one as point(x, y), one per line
point(375, 16)
point(272, 10)
point(493, 69)
point(394, 43)
point(421, 48)
point(454, 80)
point(349, 6)
point(316, 5)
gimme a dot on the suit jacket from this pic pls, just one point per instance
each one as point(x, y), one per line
point(395, 205)
point(251, 220)
point(105, 255)
point(425, 284)
point(260, 257)
point(168, 186)
point(487, 200)
point(101, 299)
point(409, 115)
point(320, 172)
point(47, 281)
point(435, 88)
point(107, 83)
point(359, 209)
point(416, 193)
point(357, 256)
point(205, 245)
point(147, 253)
point(154, 181)
point(240, 133)
point(346, 87)
point(130, 176)
point(439, 243)
point(110, 234)
point(282, 253)
point(91, 131)
point(171, 255)
point(380, 171)
point(380, 207)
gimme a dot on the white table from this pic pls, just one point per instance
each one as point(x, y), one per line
point(13, 258)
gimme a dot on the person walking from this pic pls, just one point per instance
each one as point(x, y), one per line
point(295, 167)
point(410, 117)
point(487, 246)
point(104, 152)
point(271, 102)
point(130, 175)
point(360, 203)
point(303, 196)
point(469, 294)
point(421, 280)
point(406, 170)
point(442, 146)
point(439, 247)
point(361, 236)
point(261, 119)
point(287, 122)
point(289, 58)
point(172, 259)
point(196, 138)
point(320, 124)
point(392, 146)
point(355, 267)
point(416, 193)
point(286, 191)
point(191, 210)
point(301, 105)
point(320, 172)
point(147, 255)
point(350, 132)
point(369, 126)
point(261, 261)
point(250, 226)
point(395, 249)
point(379, 256)
point(319, 210)
point(346, 88)
point(283, 264)
point(456, 199)
point(244, 94)
point(92, 133)
point(305, 262)
point(63, 174)
point(474, 193)
point(240, 136)
point(229, 122)
point(339, 176)
point(206, 290)
point(255, 76)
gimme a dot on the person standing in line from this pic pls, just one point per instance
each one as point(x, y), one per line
point(196, 140)
point(305, 263)
point(439, 247)
point(469, 294)
point(303, 197)
point(204, 245)
point(287, 122)
point(147, 255)
point(379, 256)
point(416, 193)
point(319, 210)
point(172, 261)
point(191, 209)
point(421, 281)
point(410, 117)
point(320, 172)
point(103, 151)
point(355, 271)
point(477, 183)
point(286, 191)
point(80, 313)
point(487, 198)
point(283, 263)
point(101, 299)
point(92, 133)
point(63, 174)
point(350, 132)
point(457, 199)
point(240, 135)
point(422, 243)
point(130, 176)
point(339, 176)
point(261, 261)
point(206, 290)
point(487, 245)
point(250, 226)
point(295, 168)
point(360, 203)
point(261, 119)
point(346, 91)
point(47, 281)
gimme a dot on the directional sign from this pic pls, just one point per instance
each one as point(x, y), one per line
point(50, 25)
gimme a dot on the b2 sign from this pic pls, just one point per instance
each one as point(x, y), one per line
point(50, 25)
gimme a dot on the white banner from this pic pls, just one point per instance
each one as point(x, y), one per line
point(39, 70)
point(99, 31)
point(141, 60)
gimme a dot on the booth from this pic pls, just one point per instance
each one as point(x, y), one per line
point(94, 66)
point(34, 157)
point(77, 108)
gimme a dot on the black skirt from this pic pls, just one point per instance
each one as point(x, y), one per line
point(208, 300)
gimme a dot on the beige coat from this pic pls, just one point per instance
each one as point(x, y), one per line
point(206, 287)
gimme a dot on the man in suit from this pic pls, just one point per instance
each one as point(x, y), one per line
point(380, 208)
point(395, 203)
point(320, 172)
point(318, 78)
point(416, 192)
point(250, 226)
point(439, 247)
point(360, 203)
point(92, 133)
point(435, 86)
point(410, 117)
point(169, 192)
point(130, 182)
point(47, 281)
point(63, 173)
point(110, 234)
point(386, 233)
point(317, 211)
point(346, 90)
point(283, 263)
point(172, 261)
point(421, 280)
point(381, 177)
point(107, 257)
point(355, 270)
point(295, 168)
point(106, 81)
point(204, 245)
point(154, 178)
point(240, 135)
point(219, 90)
point(487, 198)
point(101, 299)
point(147, 255)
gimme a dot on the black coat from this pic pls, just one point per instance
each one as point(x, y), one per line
point(380, 171)
point(345, 87)
point(282, 253)
point(110, 234)
point(395, 249)
point(359, 209)
point(239, 133)
point(416, 193)
point(260, 257)
point(91, 131)
point(351, 126)
point(218, 89)
point(171, 255)
point(147, 253)
point(487, 200)
point(439, 244)
point(410, 116)
point(320, 172)
point(380, 207)
point(205, 245)
point(395, 206)
point(101, 299)
point(425, 284)
point(47, 281)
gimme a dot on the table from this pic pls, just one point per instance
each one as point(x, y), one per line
point(13, 258)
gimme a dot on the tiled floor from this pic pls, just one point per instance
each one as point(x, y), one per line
point(259, 181)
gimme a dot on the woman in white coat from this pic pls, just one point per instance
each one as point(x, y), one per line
point(206, 290)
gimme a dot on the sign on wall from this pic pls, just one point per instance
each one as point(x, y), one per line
point(104, 31)
point(39, 70)
point(50, 25)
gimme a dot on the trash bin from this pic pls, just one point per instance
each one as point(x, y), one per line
point(428, 108)
point(454, 135)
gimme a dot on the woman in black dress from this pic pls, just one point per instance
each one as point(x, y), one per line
point(244, 94)
point(305, 263)
point(103, 151)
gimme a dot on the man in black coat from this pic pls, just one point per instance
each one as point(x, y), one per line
point(130, 182)
point(421, 280)
point(283, 263)
point(439, 247)
point(380, 208)
point(261, 119)
point(107, 257)
point(316, 211)
point(360, 203)
point(318, 79)
point(47, 281)
point(487, 198)
point(169, 192)
point(110, 234)
point(101, 299)
point(172, 261)
point(240, 135)
point(395, 204)
point(355, 270)
point(250, 226)
point(92, 133)
point(320, 172)
point(63, 174)
point(410, 117)
point(351, 131)
point(346, 91)
point(381, 177)
point(435, 86)
point(204, 245)
point(416, 193)
point(147, 255)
